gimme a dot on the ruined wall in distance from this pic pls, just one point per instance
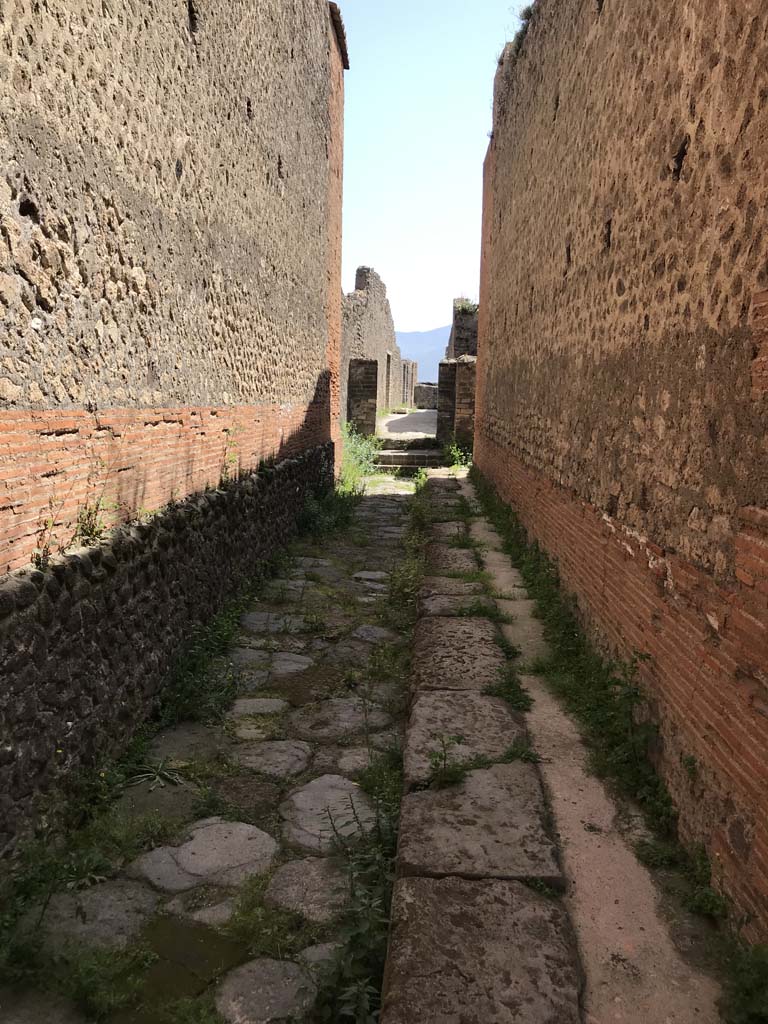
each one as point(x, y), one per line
point(369, 333)
point(463, 337)
point(623, 370)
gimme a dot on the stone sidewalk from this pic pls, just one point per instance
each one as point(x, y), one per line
point(278, 779)
point(478, 934)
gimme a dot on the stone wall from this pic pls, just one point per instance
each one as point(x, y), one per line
point(170, 294)
point(410, 372)
point(369, 333)
point(169, 248)
point(623, 391)
point(362, 392)
point(446, 401)
point(425, 396)
point(464, 409)
point(85, 645)
point(463, 337)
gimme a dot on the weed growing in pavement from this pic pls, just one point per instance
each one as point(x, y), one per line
point(445, 770)
point(358, 460)
point(350, 989)
point(609, 705)
point(268, 931)
point(510, 689)
point(483, 608)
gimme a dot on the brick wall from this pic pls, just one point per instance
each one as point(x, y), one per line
point(464, 415)
point(622, 403)
point(446, 402)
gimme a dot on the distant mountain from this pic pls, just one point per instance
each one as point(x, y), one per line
point(427, 348)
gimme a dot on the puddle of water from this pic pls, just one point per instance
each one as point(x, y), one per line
point(190, 957)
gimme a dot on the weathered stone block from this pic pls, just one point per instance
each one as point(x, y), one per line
point(485, 952)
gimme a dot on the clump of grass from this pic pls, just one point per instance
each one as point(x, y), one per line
point(457, 456)
point(358, 460)
point(484, 608)
point(510, 689)
point(268, 931)
point(351, 987)
point(102, 981)
point(697, 893)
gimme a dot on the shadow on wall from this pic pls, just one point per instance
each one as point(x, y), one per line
point(103, 468)
point(88, 641)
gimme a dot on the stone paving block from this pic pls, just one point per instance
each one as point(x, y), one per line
point(35, 1008)
point(258, 706)
point(249, 658)
point(442, 558)
point(374, 635)
point(314, 813)
point(445, 585)
point(266, 992)
point(447, 531)
point(455, 654)
point(449, 605)
point(336, 719)
point(285, 663)
point(317, 888)
point(280, 759)
point(218, 852)
point(491, 825)
point(487, 727)
point(479, 952)
point(108, 914)
point(272, 622)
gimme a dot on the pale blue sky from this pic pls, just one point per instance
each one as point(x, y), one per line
point(418, 114)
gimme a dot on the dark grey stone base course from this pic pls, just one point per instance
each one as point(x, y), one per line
point(86, 644)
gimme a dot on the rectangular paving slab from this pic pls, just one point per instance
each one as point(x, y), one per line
point(452, 605)
point(442, 558)
point(491, 825)
point(479, 952)
point(455, 654)
point(433, 585)
point(487, 727)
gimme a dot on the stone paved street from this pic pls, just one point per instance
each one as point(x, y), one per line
point(497, 916)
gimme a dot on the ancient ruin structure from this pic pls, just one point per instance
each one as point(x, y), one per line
point(463, 337)
point(369, 334)
point(457, 379)
point(425, 395)
point(170, 216)
point(623, 372)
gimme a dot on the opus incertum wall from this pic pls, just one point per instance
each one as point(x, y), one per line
point(170, 294)
point(622, 373)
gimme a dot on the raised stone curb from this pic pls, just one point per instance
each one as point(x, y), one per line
point(492, 825)
point(479, 952)
point(455, 654)
point(485, 726)
point(470, 944)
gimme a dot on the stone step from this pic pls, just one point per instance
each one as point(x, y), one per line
point(413, 458)
point(397, 444)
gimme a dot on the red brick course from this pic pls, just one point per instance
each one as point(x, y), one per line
point(707, 677)
point(54, 463)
